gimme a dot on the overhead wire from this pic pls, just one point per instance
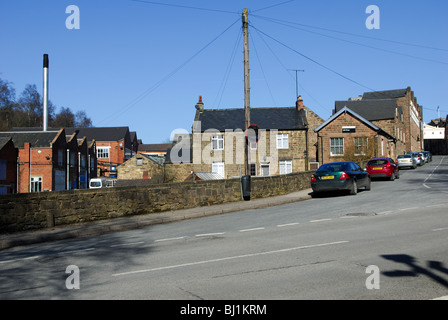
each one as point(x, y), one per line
point(352, 34)
point(361, 44)
point(287, 70)
point(314, 61)
point(184, 6)
point(217, 101)
point(262, 70)
point(167, 77)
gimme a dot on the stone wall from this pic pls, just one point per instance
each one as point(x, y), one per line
point(33, 211)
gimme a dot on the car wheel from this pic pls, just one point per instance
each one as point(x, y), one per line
point(369, 185)
point(354, 189)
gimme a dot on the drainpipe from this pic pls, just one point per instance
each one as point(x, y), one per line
point(79, 170)
point(29, 177)
point(68, 169)
point(17, 178)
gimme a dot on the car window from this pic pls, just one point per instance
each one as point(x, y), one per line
point(377, 162)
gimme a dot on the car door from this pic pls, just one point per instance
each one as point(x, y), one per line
point(361, 175)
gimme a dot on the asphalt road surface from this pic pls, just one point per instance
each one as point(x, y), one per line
point(389, 243)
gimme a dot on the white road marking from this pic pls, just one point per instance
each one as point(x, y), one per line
point(287, 224)
point(403, 209)
point(320, 220)
point(76, 251)
point(440, 229)
point(126, 244)
point(210, 234)
point(229, 258)
point(169, 239)
point(20, 259)
point(253, 229)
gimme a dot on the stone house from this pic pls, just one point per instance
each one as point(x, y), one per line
point(346, 136)
point(8, 166)
point(394, 111)
point(142, 167)
point(218, 142)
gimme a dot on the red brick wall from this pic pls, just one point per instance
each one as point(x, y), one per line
point(9, 154)
point(116, 154)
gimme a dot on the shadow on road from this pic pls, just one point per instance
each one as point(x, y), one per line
point(416, 270)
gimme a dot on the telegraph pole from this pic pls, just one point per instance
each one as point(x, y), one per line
point(246, 85)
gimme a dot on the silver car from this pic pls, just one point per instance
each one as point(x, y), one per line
point(417, 158)
point(406, 161)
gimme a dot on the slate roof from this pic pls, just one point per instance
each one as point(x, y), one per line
point(357, 116)
point(370, 109)
point(288, 118)
point(38, 139)
point(97, 133)
point(204, 176)
point(154, 147)
point(387, 94)
point(4, 141)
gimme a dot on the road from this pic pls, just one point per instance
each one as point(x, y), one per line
point(385, 244)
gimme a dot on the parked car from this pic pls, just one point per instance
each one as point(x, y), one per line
point(417, 157)
point(406, 161)
point(429, 155)
point(424, 157)
point(383, 168)
point(340, 176)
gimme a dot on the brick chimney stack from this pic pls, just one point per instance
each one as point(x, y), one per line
point(200, 105)
point(299, 103)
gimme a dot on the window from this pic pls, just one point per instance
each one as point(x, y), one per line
point(3, 167)
point(285, 166)
point(60, 157)
point(218, 142)
point(102, 153)
point(265, 170)
point(36, 184)
point(336, 147)
point(139, 162)
point(218, 167)
point(253, 169)
point(360, 145)
point(72, 159)
point(282, 141)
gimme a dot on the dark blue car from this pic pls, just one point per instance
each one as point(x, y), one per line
point(340, 176)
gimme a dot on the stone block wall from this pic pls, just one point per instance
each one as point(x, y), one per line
point(32, 211)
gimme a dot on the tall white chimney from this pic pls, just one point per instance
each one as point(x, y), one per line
point(45, 95)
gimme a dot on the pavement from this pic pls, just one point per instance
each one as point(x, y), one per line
point(139, 221)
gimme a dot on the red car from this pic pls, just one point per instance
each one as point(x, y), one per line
point(383, 168)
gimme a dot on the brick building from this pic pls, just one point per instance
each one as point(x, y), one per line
point(8, 166)
point(346, 136)
point(394, 111)
point(42, 160)
point(113, 146)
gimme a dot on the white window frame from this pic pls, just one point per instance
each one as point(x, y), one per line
point(285, 166)
point(218, 142)
point(338, 146)
point(282, 141)
point(219, 168)
point(100, 151)
point(36, 184)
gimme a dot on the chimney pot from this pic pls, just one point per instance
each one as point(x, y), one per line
point(200, 105)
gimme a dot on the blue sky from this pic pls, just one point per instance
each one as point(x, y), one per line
point(143, 64)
